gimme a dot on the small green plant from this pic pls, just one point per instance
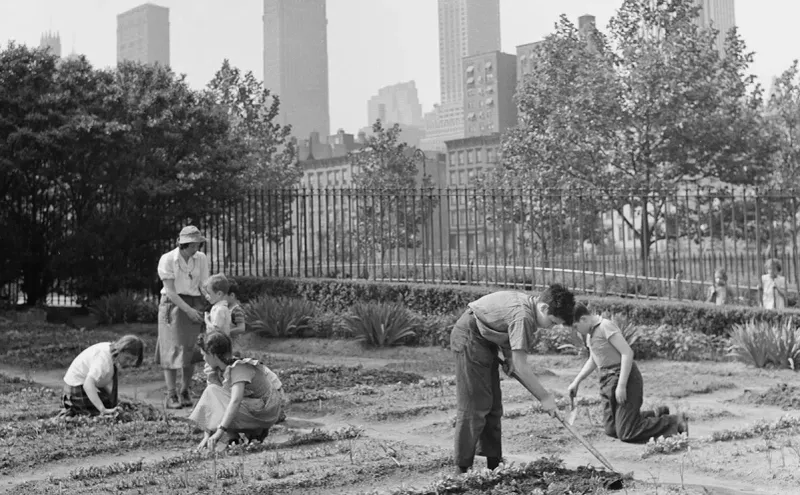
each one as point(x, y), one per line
point(757, 429)
point(381, 324)
point(669, 445)
point(764, 344)
point(280, 316)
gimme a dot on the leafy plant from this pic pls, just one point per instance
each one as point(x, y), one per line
point(381, 324)
point(763, 344)
point(124, 307)
point(661, 445)
point(280, 317)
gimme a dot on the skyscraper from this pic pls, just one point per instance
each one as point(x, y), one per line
point(466, 27)
point(296, 63)
point(396, 104)
point(717, 13)
point(52, 42)
point(143, 35)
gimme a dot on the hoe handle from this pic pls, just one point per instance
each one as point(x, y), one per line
point(572, 430)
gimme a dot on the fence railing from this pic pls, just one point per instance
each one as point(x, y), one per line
point(654, 244)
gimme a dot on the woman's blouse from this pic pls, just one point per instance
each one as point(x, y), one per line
point(189, 276)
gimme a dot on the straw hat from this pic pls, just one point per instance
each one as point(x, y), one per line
point(190, 234)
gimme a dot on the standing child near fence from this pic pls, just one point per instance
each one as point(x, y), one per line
point(621, 385)
point(219, 318)
point(720, 293)
point(773, 286)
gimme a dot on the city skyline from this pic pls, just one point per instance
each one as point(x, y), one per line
point(360, 32)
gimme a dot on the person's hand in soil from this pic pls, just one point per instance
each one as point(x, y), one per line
point(204, 441)
point(621, 394)
point(213, 439)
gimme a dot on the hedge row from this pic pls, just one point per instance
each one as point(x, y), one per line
point(337, 295)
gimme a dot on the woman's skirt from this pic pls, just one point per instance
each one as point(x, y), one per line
point(253, 414)
point(177, 333)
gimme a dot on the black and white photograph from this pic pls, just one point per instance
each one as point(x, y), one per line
point(399, 247)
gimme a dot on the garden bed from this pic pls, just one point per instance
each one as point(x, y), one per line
point(381, 421)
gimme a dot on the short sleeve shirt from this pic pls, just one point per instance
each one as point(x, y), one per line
point(603, 352)
point(237, 317)
point(506, 318)
point(94, 362)
point(188, 275)
point(259, 381)
point(219, 318)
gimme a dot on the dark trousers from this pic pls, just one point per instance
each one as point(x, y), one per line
point(478, 395)
point(627, 421)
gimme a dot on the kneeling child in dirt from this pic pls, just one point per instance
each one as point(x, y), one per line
point(621, 385)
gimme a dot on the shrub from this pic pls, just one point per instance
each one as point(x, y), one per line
point(381, 324)
point(124, 307)
point(340, 295)
point(328, 325)
point(280, 317)
point(763, 344)
point(679, 344)
point(434, 330)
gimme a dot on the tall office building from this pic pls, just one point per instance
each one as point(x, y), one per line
point(717, 13)
point(143, 35)
point(396, 104)
point(296, 63)
point(51, 41)
point(466, 27)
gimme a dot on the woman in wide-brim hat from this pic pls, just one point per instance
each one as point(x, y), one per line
point(183, 272)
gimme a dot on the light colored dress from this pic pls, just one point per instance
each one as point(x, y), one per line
point(177, 333)
point(219, 318)
point(260, 408)
point(771, 299)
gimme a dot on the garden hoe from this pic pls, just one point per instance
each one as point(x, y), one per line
point(569, 428)
point(573, 409)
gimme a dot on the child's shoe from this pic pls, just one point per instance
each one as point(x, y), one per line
point(683, 424)
point(173, 401)
point(662, 411)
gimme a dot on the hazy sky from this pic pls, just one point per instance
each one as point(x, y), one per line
point(371, 43)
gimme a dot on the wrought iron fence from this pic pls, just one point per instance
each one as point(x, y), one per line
point(652, 245)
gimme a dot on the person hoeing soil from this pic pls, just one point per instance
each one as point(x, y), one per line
point(504, 321)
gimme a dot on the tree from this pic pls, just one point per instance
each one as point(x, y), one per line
point(783, 113)
point(270, 159)
point(390, 209)
point(100, 169)
point(637, 114)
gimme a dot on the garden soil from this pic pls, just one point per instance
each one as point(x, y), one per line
point(418, 422)
point(782, 395)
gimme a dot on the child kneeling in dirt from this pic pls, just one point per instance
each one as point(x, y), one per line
point(621, 386)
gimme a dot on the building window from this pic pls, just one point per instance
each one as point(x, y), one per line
point(471, 157)
point(453, 178)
